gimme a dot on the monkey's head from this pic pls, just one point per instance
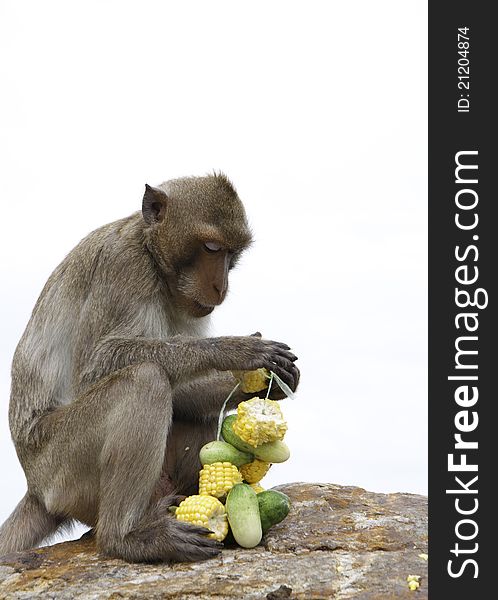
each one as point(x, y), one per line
point(196, 229)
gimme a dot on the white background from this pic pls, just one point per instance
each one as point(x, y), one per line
point(317, 111)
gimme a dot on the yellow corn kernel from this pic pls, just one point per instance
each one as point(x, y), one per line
point(259, 421)
point(413, 582)
point(252, 381)
point(254, 471)
point(204, 511)
point(257, 488)
point(218, 479)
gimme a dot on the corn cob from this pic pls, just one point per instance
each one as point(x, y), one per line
point(259, 421)
point(218, 479)
point(252, 381)
point(257, 488)
point(204, 511)
point(254, 471)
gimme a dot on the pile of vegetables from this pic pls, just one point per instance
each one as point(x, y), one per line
point(230, 494)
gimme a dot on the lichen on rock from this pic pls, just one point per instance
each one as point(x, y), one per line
point(337, 542)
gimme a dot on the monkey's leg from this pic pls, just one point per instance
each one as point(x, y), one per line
point(27, 526)
point(182, 463)
point(203, 396)
point(113, 440)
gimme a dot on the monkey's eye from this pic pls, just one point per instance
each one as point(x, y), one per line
point(212, 247)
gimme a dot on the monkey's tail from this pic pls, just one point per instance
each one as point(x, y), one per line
point(27, 526)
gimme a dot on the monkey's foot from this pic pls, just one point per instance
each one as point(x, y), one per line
point(160, 537)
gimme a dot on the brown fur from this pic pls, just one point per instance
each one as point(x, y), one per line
point(114, 386)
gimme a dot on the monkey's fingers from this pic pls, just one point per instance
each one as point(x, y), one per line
point(279, 349)
point(285, 352)
point(283, 362)
point(195, 530)
point(297, 376)
point(248, 353)
point(284, 375)
point(281, 345)
point(276, 346)
point(276, 354)
point(276, 393)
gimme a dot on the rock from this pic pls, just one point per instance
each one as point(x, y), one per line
point(337, 542)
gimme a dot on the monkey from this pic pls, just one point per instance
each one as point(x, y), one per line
point(116, 384)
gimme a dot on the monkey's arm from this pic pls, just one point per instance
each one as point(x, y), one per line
point(182, 357)
point(178, 358)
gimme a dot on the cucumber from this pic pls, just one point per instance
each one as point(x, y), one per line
point(219, 451)
point(242, 508)
point(273, 507)
point(272, 452)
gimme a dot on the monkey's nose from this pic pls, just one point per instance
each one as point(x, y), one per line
point(220, 292)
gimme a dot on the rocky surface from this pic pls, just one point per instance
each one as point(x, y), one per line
point(337, 542)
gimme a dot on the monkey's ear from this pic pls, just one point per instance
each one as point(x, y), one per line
point(153, 205)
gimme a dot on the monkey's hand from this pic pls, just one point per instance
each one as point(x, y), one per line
point(276, 392)
point(248, 353)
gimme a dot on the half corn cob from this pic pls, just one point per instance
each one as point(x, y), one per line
point(252, 381)
point(259, 421)
point(255, 470)
point(218, 479)
point(204, 511)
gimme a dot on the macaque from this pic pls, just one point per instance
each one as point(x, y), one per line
point(115, 386)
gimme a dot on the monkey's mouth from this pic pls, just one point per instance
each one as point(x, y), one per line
point(201, 310)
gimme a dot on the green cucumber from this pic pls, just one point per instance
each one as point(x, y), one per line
point(242, 508)
point(219, 451)
point(273, 507)
point(231, 437)
point(272, 452)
